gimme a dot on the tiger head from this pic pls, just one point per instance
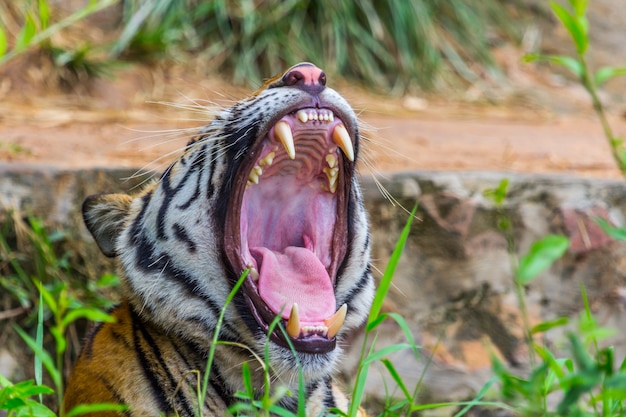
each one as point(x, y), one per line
point(268, 186)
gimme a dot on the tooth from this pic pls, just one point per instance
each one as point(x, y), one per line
point(332, 184)
point(331, 174)
point(267, 159)
point(293, 325)
point(331, 160)
point(253, 273)
point(254, 174)
point(282, 131)
point(302, 116)
point(331, 116)
point(342, 139)
point(335, 322)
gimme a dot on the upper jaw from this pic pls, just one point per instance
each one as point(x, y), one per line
point(287, 224)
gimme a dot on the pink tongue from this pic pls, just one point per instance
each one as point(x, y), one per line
point(295, 276)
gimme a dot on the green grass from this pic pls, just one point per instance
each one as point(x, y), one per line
point(389, 46)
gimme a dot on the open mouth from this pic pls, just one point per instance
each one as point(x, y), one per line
point(287, 224)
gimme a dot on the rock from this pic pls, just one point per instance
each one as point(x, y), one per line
point(454, 282)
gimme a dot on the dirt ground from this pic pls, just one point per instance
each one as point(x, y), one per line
point(143, 117)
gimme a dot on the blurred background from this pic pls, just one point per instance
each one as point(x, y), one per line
point(99, 65)
point(472, 108)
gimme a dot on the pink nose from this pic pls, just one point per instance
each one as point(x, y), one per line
point(305, 76)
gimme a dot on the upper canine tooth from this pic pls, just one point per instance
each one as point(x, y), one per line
point(342, 139)
point(302, 116)
point(282, 131)
point(335, 321)
point(293, 324)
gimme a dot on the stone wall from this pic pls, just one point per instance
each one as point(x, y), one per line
point(454, 282)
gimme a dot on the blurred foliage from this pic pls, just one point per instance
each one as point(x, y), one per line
point(388, 45)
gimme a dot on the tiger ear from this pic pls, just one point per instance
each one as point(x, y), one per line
point(105, 216)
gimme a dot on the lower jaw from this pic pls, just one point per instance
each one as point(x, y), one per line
point(315, 345)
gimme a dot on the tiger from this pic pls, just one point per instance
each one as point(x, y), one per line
point(269, 189)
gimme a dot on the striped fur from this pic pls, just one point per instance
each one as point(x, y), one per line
point(169, 240)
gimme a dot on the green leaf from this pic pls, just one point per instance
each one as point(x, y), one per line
point(498, 194)
point(39, 340)
point(44, 14)
point(3, 42)
point(29, 388)
point(46, 359)
point(575, 25)
point(386, 351)
point(606, 73)
point(48, 298)
point(547, 325)
point(108, 280)
point(616, 233)
point(396, 377)
point(32, 408)
point(616, 385)
point(540, 257)
point(568, 62)
point(26, 34)
point(385, 282)
point(96, 408)
point(92, 314)
point(579, 6)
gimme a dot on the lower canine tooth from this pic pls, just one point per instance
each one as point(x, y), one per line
point(342, 139)
point(335, 322)
point(282, 131)
point(293, 325)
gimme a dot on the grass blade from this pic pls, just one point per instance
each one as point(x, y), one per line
point(385, 282)
point(39, 341)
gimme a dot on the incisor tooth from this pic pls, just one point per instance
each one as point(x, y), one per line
point(282, 131)
point(293, 325)
point(302, 116)
point(335, 322)
point(342, 139)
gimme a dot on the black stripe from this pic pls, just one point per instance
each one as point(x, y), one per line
point(89, 339)
point(181, 234)
point(329, 398)
point(219, 386)
point(196, 165)
point(169, 194)
point(211, 167)
point(118, 398)
point(146, 260)
point(358, 287)
point(178, 402)
point(157, 391)
point(136, 230)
